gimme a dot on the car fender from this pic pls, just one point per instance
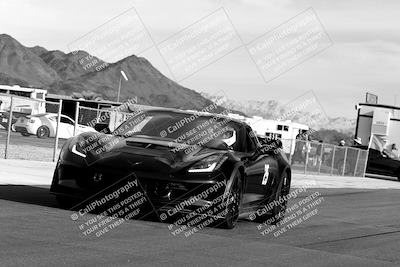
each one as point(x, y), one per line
point(283, 167)
point(35, 126)
point(31, 128)
point(237, 167)
point(289, 171)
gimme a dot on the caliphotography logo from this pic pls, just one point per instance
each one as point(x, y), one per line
point(116, 39)
point(200, 44)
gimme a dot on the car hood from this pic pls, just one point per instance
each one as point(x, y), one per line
point(141, 152)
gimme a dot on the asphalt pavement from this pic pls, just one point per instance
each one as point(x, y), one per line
point(353, 227)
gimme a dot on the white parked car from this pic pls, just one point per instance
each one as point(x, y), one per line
point(44, 125)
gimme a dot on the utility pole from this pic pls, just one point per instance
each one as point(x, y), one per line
point(119, 85)
point(119, 88)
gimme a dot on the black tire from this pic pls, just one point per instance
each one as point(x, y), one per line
point(234, 200)
point(277, 212)
point(43, 132)
point(25, 134)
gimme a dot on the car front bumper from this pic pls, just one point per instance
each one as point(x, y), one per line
point(165, 193)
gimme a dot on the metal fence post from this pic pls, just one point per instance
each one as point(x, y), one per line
point(58, 125)
point(320, 158)
point(358, 157)
point(333, 159)
point(9, 124)
point(306, 160)
point(344, 161)
point(366, 162)
point(76, 117)
point(290, 151)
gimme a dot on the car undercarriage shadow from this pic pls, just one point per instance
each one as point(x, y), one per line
point(28, 195)
point(41, 196)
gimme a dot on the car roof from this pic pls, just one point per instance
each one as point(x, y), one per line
point(136, 107)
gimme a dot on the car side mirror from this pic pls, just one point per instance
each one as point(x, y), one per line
point(102, 128)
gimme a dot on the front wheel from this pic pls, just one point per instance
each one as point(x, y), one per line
point(279, 201)
point(232, 202)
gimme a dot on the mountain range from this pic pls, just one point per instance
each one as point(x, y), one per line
point(74, 72)
point(273, 109)
point(66, 73)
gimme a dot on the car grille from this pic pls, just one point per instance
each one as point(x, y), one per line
point(160, 191)
point(90, 179)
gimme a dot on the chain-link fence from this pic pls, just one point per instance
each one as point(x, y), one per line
point(320, 158)
point(111, 117)
point(38, 130)
point(30, 129)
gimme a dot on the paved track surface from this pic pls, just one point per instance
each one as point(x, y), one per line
point(353, 227)
point(29, 172)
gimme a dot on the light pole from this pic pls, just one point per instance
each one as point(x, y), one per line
point(119, 85)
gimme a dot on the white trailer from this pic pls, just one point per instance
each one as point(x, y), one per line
point(286, 131)
point(24, 101)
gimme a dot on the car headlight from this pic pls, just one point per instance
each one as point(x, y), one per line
point(208, 164)
point(78, 151)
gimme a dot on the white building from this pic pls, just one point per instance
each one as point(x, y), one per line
point(380, 120)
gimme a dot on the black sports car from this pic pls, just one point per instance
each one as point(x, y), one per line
point(182, 163)
point(378, 163)
point(381, 164)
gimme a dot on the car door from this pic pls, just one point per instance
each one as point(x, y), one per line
point(66, 128)
point(259, 172)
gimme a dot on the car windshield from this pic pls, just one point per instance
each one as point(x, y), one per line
point(190, 129)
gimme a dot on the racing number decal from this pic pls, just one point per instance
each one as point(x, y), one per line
point(266, 174)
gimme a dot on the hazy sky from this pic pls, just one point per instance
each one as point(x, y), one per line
point(364, 56)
